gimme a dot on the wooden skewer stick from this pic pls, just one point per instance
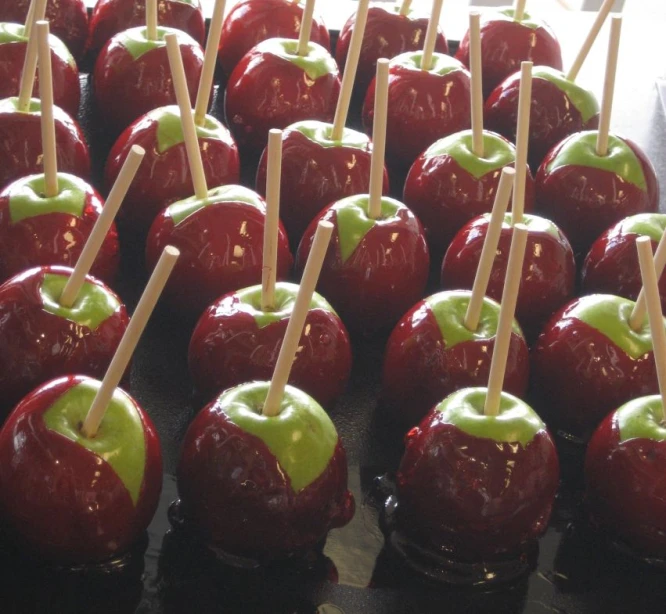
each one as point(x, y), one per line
point(638, 313)
point(522, 142)
point(151, 19)
point(477, 83)
point(609, 86)
point(519, 10)
point(27, 83)
point(351, 67)
point(431, 35)
point(47, 123)
point(650, 283)
point(299, 313)
point(405, 6)
point(130, 339)
point(271, 227)
point(90, 250)
point(379, 139)
point(36, 12)
point(589, 40)
point(483, 271)
point(210, 58)
point(306, 27)
point(186, 117)
point(514, 273)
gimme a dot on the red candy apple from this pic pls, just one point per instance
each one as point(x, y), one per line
point(69, 499)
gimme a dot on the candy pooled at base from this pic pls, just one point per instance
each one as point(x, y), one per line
point(280, 486)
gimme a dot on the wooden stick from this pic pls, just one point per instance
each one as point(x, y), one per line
point(27, 83)
point(90, 250)
point(379, 139)
point(522, 142)
point(272, 224)
point(514, 273)
point(589, 40)
point(210, 58)
point(151, 19)
point(477, 83)
point(639, 312)
point(306, 27)
point(299, 313)
point(650, 283)
point(519, 10)
point(405, 6)
point(351, 67)
point(485, 267)
point(36, 12)
point(431, 35)
point(48, 123)
point(130, 339)
point(609, 86)
point(189, 129)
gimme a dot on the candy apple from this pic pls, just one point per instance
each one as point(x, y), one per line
point(40, 339)
point(387, 34)
point(549, 269)
point(449, 185)
point(251, 22)
point(109, 17)
point(588, 361)
point(66, 85)
point(164, 176)
point(585, 194)
point(624, 465)
point(134, 69)
point(423, 106)
point(559, 108)
point(611, 266)
point(236, 341)
point(317, 171)
point(221, 246)
point(431, 354)
point(505, 43)
point(21, 142)
point(38, 230)
point(285, 86)
point(374, 269)
point(259, 487)
point(70, 499)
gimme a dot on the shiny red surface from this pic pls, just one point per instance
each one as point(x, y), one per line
point(234, 490)
point(165, 177)
point(250, 22)
point(505, 44)
point(445, 197)
point(143, 84)
point(548, 278)
point(420, 370)
point(579, 375)
point(626, 492)
point(21, 146)
point(228, 348)
point(36, 346)
point(386, 274)
point(55, 238)
point(473, 498)
point(387, 34)
point(584, 201)
point(112, 16)
point(553, 116)
point(61, 501)
point(281, 94)
point(221, 250)
point(422, 107)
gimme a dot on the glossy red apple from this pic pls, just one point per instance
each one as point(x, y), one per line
point(69, 499)
point(505, 43)
point(164, 176)
point(221, 246)
point(374, 270)
point(40, 339)
point(135, 70)
point(36, 230)
point(387, 34)
point(284, 87)
point(423, 106)
point(431, 354)
point(251, 22)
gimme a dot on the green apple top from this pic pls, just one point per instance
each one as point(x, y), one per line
point(650, 225)
point(316, 63)
point(534, 223)
point(508, 14)
point(11, 105)
point(301, 437)
point(320, 133)
point(137, 42)
point(15, 33)
point(442, 64)
point(584, 100)
point(641, 419)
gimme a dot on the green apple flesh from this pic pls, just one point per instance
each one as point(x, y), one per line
point(181, 210)
point(320, 133)
point(650, 225)
point(641, 419)
point(27, 197)
point(137, 43)
point(442, 64)
point(170, 128)
point(582, 99)
point(317, 62)
point(11, 105)
point(15, 33)
point(526, 21)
